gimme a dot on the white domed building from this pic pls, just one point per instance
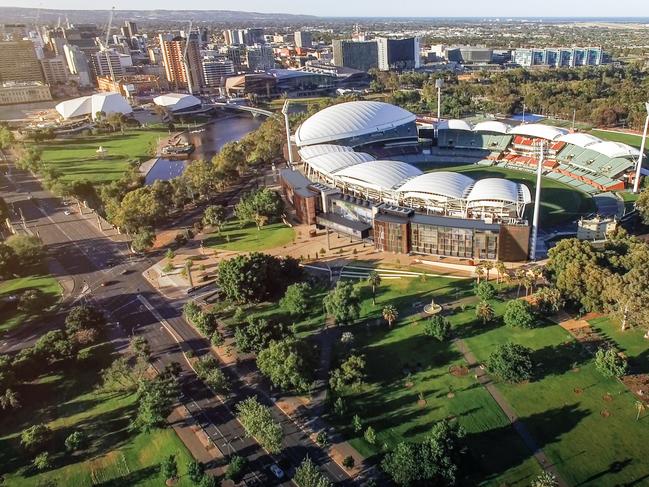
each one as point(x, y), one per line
point(178, 102)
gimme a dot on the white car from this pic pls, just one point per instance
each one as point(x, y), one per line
point(67, 212)
point(277, 472)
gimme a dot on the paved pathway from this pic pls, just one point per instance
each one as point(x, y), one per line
point(518, 425)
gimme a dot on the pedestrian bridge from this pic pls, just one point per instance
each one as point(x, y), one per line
point(243, 108)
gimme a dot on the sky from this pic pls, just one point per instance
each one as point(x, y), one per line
point(377, 8)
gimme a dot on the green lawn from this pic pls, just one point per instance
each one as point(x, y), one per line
point(631, 341)
point(76, 158)
point(559, 202)
point(248, 239)
point(10, 317)
point(630, 139)
point(115, 457)
point(584, 423)
point(392, 408)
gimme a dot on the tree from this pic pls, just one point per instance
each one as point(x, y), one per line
point(140, 208)
point(511, 362)
point(484, 312)
point(357, 423)
point(548, 300)
point(195, 471)
point(207, 368)
point(308, 475)
point(518, 313)
point(284, 364)
point(349, 462)
point(437, 327)
point(432, 462)
point(501, 271)
point(235, 468)
point(349, 375)
point(390, 314)
point(121, 376)
point(296, 298)
point(154, 400)
point(141, 348)
point(83, 317)
point(260, 207)
point(36, 437)
point(256, 335)
point(76, 441)
point(28, 251)
point(370, 435)
point(33, 301)
point(42, 461)
point(256, 277)
point(485, 291)
point(9, 265)
point(53, 346)
point(374, 280)
point(6, 138)
point(642, 205)
point(169, 468)
point(258, 422)
point(215, 216)
point(9, 400)
point(343, 302)
point(610, 363)
point(546, 479)
point(143, 240)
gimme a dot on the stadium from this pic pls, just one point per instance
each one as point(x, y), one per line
point(359, 175)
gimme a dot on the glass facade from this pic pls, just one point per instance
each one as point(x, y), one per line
point(455, 242)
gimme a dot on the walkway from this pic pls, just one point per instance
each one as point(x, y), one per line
point(504, 405)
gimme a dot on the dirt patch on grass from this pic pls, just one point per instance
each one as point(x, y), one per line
point(458, 370)
point(604, 413)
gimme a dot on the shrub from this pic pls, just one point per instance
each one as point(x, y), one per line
point(42, 461)
point(518, 313)
point(438, 328)
point(235, 468)
point(485, 291)
point(76, 441)
point(348, 462)
point(610, 363)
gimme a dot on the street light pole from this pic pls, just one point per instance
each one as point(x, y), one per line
point(288, 133)
point(439, 82)
point(636, 182)
point(537, 203)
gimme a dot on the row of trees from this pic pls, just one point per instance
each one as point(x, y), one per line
point(21, 255)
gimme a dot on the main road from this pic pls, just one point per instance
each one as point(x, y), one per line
point(102, 270)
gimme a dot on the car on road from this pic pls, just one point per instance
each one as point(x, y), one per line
point(67, 212)
point(108, 283)
point(125, 272)
point(277, 471)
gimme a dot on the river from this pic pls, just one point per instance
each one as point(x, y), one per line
point(216, 134)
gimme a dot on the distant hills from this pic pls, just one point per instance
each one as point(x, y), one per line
point(49, 16)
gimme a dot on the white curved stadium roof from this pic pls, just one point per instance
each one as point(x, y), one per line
point(443, 183)
point(90, 105)
point(538, 130)
point(335, 161)
point(579, 139)
point(499, 189)
point(378, 175)
point(176, 101)
point(614, 149)
point(454, 124)
point(321, 149)
point(492, 126)
point(350, 119)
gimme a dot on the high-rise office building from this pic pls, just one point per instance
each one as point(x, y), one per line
point(398, 54)
point(175, 70)
point(130, 28)
point(236, 55)
point(254, 36)
point(215, 69)
point(55, 70)
point(568, 57)
point(260, 58)
point(18, 62)
point(357, 55)
point(303, 39)
point(107, 63)
point(78, 64)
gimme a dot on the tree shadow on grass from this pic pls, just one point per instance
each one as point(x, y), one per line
point(493, 452)
point(558, 359)
point(133, 478)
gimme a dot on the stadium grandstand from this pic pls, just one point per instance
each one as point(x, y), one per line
point(352, 182)
point(580, 160)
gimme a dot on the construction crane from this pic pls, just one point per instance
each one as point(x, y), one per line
point(110, 25)
point(186, 60)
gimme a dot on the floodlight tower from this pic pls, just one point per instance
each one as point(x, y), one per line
point(636, 182)
point(288, 133)
point(537, 201)
point(439, 82)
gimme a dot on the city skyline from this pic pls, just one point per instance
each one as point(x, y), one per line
point(367, 8)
